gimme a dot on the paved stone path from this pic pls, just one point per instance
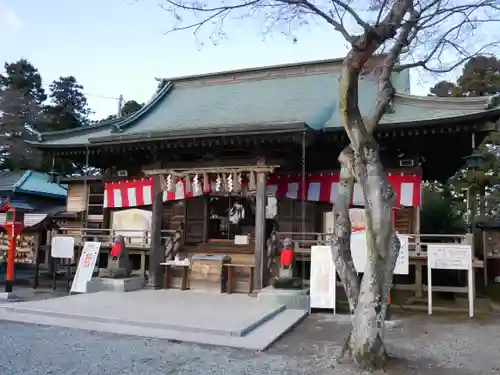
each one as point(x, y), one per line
point(439, 346)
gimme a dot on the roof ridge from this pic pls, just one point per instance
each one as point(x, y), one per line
point(444, 99)
point(119, 123)
point(479, 102)
point(22, 180)
point(254, 69)
point(128, 121)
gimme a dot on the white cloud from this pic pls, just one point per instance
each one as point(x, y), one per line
point(9, 21)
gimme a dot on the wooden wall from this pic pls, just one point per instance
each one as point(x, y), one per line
point(290, 217)
point(192, 213)
point(77, 197)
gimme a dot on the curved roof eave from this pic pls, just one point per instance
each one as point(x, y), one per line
point(452, 110)
point(272, 128)
point(119, 124)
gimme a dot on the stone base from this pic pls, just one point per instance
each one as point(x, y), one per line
point(9, 297)
point(287, 283)
point(101, 284)
point(297, 299)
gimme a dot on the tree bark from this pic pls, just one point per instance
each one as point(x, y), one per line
point(341, 243)
point(366, 342)
point(361, 162)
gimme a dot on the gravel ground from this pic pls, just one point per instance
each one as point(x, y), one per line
point(421, 346)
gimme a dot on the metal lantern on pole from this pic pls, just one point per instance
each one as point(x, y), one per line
point(473, 163)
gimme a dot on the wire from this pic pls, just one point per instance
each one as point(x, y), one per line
point(90, 95)
point(100, 96)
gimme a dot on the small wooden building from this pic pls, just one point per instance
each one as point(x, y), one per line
point(277, 128)
point(33, 193)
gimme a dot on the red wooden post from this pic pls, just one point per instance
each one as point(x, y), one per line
point(14, 223)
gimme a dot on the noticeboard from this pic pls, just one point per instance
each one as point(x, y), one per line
point(86, 266)
point(62, 247)
point(323, 278)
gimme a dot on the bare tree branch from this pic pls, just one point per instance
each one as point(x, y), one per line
point(385, 87)
point(313, 8)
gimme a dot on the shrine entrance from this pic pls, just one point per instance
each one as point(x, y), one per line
point(230, 215)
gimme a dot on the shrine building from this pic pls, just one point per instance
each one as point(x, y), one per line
point(227, 158)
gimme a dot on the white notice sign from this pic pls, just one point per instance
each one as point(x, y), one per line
point(403, 261)
point(359, 251)
point(323, 277)
point(86, 267)
point(241, 240)
point(449, 256)
point(62, 247)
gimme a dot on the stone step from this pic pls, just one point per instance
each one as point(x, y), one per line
point(176, 326)
point(260, 338)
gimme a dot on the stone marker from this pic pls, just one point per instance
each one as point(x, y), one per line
point(118, 263)
point(285, 279)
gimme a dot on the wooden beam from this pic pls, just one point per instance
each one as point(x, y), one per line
point(224, 169)
point(157, 254)
point(261, 274)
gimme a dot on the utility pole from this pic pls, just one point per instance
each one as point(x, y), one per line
point(120, 105)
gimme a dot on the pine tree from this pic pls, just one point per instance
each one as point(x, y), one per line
point(21, 98)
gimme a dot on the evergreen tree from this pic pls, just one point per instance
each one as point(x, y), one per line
point(130, 107)
point(480, 77)
point(68, 108)
point(21, 98)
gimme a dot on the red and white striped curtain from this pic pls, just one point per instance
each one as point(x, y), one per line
point(318, 188)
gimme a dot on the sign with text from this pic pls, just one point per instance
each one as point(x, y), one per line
point(359, 251)
point(450, 257)
point(85, 267)
point(323, 278)
point(62, 247)
point(403, 261)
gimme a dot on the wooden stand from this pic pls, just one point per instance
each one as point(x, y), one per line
point(230, 276)
point(208, 272)
point(166, 275)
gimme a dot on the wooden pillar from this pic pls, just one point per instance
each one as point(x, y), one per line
point(157, 252)
point(261, 272)
point(419, 284)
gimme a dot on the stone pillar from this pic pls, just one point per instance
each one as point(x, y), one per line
point(261, 272)
point(157, 252)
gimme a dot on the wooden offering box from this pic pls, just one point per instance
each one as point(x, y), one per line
point(207, 272)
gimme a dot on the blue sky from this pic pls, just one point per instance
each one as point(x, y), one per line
point(117, 47)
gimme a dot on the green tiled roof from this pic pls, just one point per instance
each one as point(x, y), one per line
point(31, 182)
point(425, 108)
point(409, 109)
point(298, 93)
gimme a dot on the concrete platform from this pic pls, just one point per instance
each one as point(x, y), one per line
point(129, 284)
point(233, 320)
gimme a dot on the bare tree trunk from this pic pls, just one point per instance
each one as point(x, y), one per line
point(366, 344)
point(341, 244)
point(361, 161)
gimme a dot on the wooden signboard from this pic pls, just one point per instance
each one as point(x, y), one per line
point(323, 278)
point(450, 257)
